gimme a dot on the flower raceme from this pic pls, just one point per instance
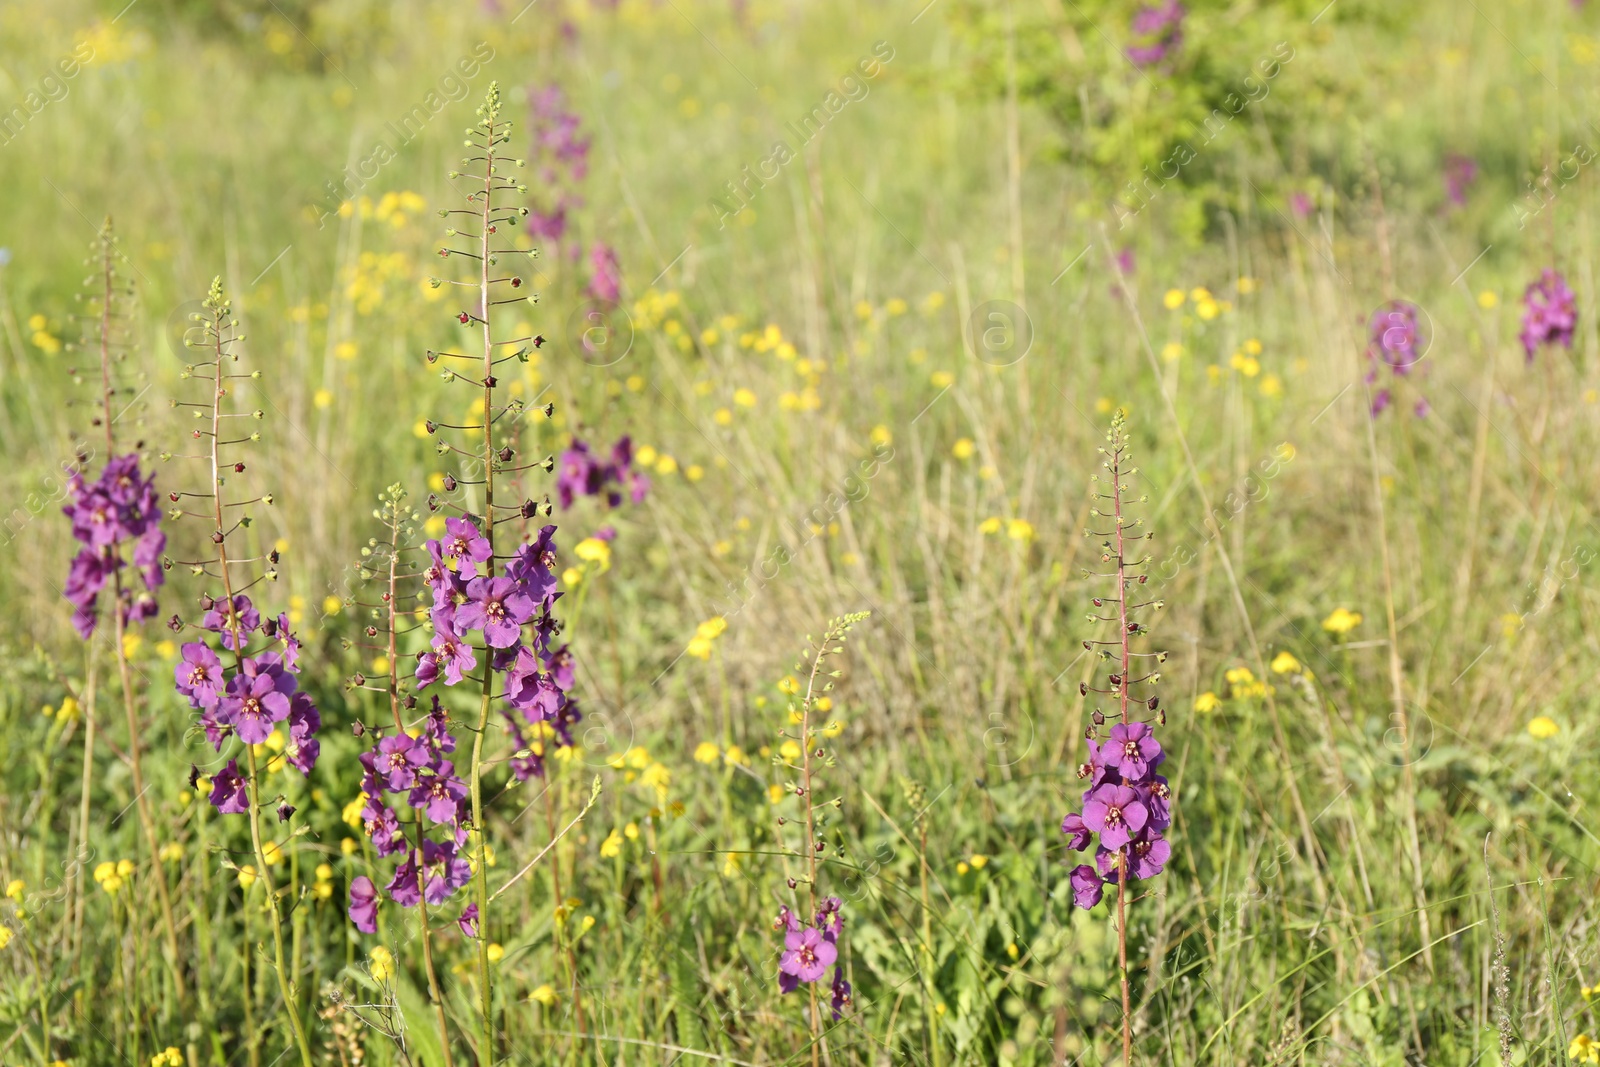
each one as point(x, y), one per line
point(260, 692)
point(423, 781)
point(1127, 804)
point(535, 673)
point(584, 473)
point(118, 511)
point(809, 949)
point(1550, 313)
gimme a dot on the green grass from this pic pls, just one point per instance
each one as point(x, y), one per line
point(1353, 854)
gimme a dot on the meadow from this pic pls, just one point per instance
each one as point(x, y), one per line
point(983, 532)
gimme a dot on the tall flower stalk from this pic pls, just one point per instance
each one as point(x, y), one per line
point(246, 703)
point(812, 945)
point(121, 510)
point(405, 763)
point(472, 592)
point(1127, 806)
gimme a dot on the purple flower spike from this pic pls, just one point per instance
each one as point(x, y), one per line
point(1550, 313)
point(1116, 813)
point(1087, 886)
point(363, 910)
point(1157, 32)
point(229, 793)
point(469, 921)
point(809, 955)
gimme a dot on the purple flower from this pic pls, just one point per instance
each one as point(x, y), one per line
point(605, 279)
point(498, 608)
point(841, 993)
point(1158, 797)
point(1116, 813)
point(1395, 336)
point(229, 794)
point(830, 918)
point(1380, 402)
point(383, 826)
point(1157, 32)
point(363, 910)
point(199, 675)
point(809, 954)
point(469, 920)
point(1087, 886)
point(399, 756)
point(1550, 313)
point(444, 869)
point(464, 545)
point(440, 795)
point(1133, 749)
point(1077, 832)
point(225, 618)
point(253, 706)
point(583, 473)
point(1149, 855)
point(404, 888)
point(1301, 205)
point(1459, 174)
point(449, 655)
point(303, 747)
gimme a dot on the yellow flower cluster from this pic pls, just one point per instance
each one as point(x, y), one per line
point(638, 765)
point(167, 1057)
point(654, 307)
point(380, 964)
point(322, 888)
point(112, 876)
point(365, 282)
point(704, 635)
point(67, 712)
point(1019, 530)
point(1243, 684)
point(43, 339)
point(1543, 728)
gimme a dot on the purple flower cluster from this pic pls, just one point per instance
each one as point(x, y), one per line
point(120, 508)
point(1550, 312)
point(605, 277)
point(1395, 340)
point(468, 597)
point(418, 768)
point(1157, 32)
point(1459, 174)
point(1127, 806)
point(250, 700)
point(810, 948)
point(561, 159)
point(583, 473)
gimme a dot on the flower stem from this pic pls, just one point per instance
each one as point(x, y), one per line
point(1122, 700)
point(286, 985)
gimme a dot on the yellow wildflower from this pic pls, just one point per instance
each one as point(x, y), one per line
point(1543, 728)
point(1285, 663)
point(611, 847)
point(1341, 621)
point(706, 752)
point(380, 963)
